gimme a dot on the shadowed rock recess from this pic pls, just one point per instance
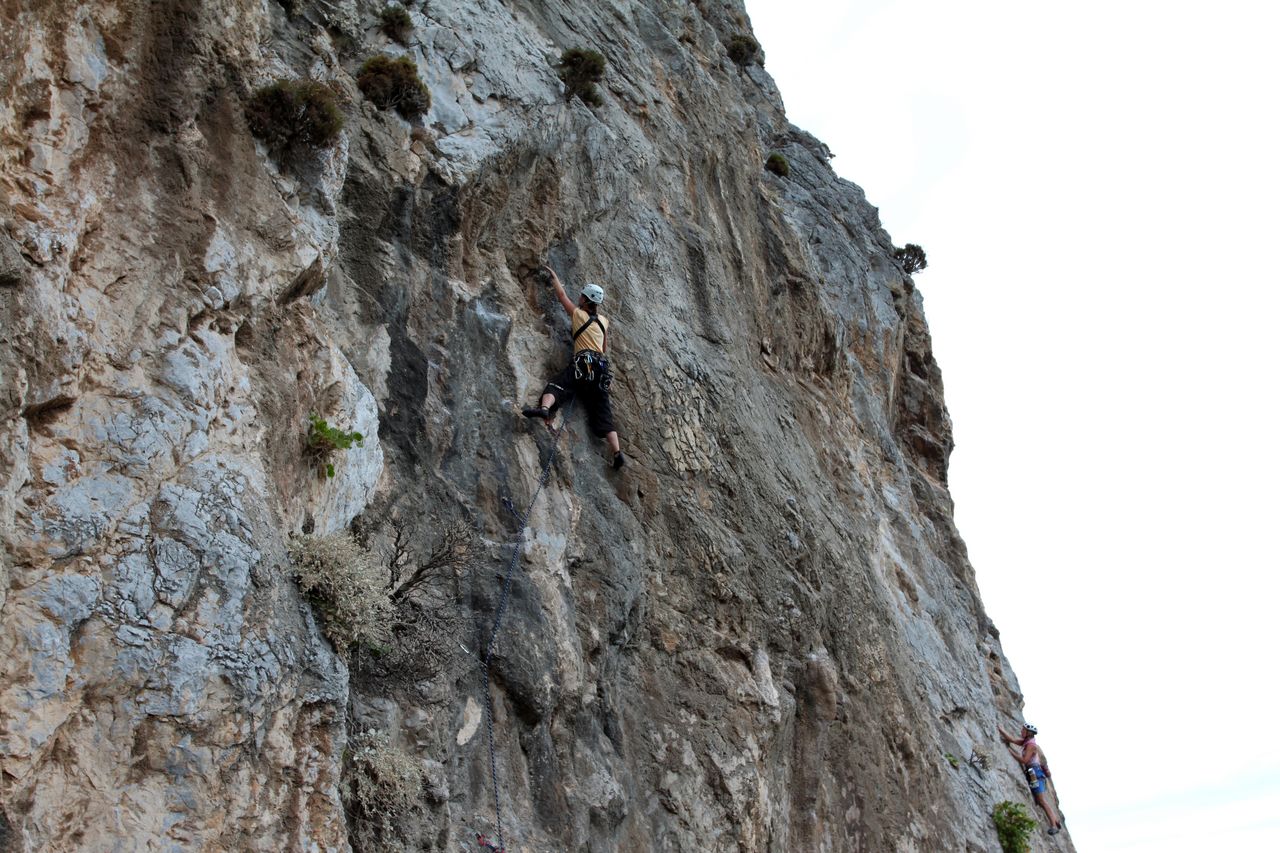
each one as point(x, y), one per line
point(763, 634)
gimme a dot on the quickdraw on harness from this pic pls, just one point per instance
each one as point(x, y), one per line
point(486, 658)
point(590, 367)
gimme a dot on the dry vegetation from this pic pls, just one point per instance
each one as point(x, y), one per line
point(347, 588)
point(393, 84)
point(294, 116)
point(381, 785)
point(423, 572)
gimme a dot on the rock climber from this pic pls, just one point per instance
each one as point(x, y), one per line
point(587, 377)
point(1036, 768)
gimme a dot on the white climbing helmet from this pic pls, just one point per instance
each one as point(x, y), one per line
point(594, 292)
point(1032, 729)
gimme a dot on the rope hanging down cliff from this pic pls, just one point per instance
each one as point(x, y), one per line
point(485, 659)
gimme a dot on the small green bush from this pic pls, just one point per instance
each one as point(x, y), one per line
point(396, 23)
point(911, 257)
point(381, 785)
point(580, 70)
point(1013, 826)
point(778, 164)
point(743, 49)
point(346, 587)
point(323, 441)
point(952, 760)
point(294, 115)
point(394, 84)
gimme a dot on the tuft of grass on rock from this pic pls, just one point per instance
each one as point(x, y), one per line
point(345, 586)
point(396, 23)
point(580, 70)
point(393, 83)
point(293, 116)
point(778, 164)
point(743, 49)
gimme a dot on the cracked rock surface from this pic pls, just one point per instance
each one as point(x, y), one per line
point(763, 634)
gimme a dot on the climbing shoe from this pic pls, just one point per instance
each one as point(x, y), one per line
point(537, 412)
point(619, 460)
point(1055, 830)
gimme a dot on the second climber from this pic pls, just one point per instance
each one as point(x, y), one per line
point(587, 377)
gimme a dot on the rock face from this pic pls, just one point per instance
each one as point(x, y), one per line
point(762, 634)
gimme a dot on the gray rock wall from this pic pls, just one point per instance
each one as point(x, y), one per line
point(762, 634)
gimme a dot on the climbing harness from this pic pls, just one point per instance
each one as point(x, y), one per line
point(487, 658)
point(589, 366)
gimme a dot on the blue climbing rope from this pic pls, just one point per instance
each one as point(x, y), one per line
point(487, 657)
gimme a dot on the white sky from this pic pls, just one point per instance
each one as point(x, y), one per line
point(1096, 185)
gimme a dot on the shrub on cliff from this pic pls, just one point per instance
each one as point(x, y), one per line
point(581, 70)
point(394, 84)
point(1013, 826)
point(778, 164)
point(423, 568)
point(396, 23)
point(381, 785)
point(294, 115)
point(346, 587)
point(743, 49)
point(911, 257)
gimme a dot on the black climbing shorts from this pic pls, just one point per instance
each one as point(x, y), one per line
point(599, 410)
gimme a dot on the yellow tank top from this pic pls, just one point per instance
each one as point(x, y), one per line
point(593, 338)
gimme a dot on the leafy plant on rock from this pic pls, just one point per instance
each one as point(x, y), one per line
point(1013, 826)
point(393, 83)
point(323, 441)
point(778, 164)
point(743, 49)
point(290, 116)
point(396, 23)
point(911, 257)
point(580, 70)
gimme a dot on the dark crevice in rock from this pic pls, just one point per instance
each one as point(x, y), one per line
point(13, 267)
point(40, 415)
point(309, 281)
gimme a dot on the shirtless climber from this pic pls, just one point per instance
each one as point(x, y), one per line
point(1036, 769)
point(588, 376)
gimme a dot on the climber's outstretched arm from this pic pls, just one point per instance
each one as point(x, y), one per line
point(560, 294)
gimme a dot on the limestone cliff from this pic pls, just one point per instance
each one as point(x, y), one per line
point(762, 634)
